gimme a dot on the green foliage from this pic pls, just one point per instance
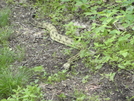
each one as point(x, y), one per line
point(111, 38)
point(130, 99)
point(38, 69)
point(12, 78)
point(80, 96)
point(6, 57)
point(4, 16)
point(113, 46)
point(9, 78)
point(40, 73)
point(109, 76)
point(85, 79)
point(30, 93)
point(62, 96)
point(10, 1)
point(57, 77)
point(5, 33)
point(111, 30)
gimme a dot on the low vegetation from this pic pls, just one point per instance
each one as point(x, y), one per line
point(10, 77)
point(110, 37)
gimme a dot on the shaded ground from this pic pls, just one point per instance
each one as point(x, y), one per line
point(39, 51)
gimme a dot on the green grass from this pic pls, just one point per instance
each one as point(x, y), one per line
point(4, 17)
point(5, 30)
point(5, 33)
point(12, 78)
point(6, 57)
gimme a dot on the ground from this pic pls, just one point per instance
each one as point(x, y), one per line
point(39, 49)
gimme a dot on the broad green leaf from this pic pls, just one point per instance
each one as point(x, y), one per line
point(124, 53)
point(124, 37)
point(110, 40)
point(120, 66)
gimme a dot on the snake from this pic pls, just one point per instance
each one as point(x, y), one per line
point(54, 35)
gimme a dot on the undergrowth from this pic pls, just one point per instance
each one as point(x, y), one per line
point(29, 93)
point(10, 77)
point(110, 37)
point(111, 29)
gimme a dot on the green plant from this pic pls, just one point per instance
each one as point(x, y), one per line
point(71, 29)
point(40, 73)
point(53, 10)
point(109, 76)
point(57, 77)
point(5, 33)
point(130, 98)
point(85, 79)
point(30, 93)
point(62, 96)
point(80, 96)
point(6, 57)
point(11, 78)
point(4, 17)
point(113, 46)
point(10, 2)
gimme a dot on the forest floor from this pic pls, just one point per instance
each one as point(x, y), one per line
point(41, 50)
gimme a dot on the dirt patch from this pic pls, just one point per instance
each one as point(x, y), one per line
point(39, 49)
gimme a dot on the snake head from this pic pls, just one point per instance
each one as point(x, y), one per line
point(66, 66)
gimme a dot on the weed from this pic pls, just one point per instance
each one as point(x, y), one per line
point(6, 57)
point(130, 99)
point(113, 45)
point(11, 78)
point(80, 96)
point(62, 96)
point(57, 77)
point(109, 76)
point(85, 79)
point(5, 33)
point(10, 2)
point(40, 73)
point(30, 93)
point(4, 17)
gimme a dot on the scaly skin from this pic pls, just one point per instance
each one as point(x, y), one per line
point(61, 39)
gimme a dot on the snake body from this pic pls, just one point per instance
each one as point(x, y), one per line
point(56, 36)
point(61, 39)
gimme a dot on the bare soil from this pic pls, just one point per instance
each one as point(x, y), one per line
point(39, 49)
